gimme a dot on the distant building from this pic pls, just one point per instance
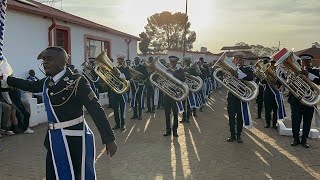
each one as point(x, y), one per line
point(249, 58)
point(208, 56)
point(30, 27)
point(314, 50)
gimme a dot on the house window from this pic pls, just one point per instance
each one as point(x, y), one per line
point(94, 46)
point(63, 39)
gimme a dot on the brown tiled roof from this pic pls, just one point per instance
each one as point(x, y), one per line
point(314, 51)
point(33, 7)
point(248, 55)
point(235, 48)
point(197, 52)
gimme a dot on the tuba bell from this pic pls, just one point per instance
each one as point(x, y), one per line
point(266, 72)
point(226, 74)
point(289, 73)
point(102, 67)
point(194, 83)
point(166, 82)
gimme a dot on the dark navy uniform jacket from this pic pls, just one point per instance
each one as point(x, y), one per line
point(143, 70)
point(68, 97)
point(125, 70)
point(192, 71)
point(292, 99)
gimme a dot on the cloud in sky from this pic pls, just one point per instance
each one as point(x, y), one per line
point(217, 22)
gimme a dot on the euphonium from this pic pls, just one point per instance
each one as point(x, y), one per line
point(166, 82)
point(194, 83)
point(103, 67)
point(244, 90)
point(266, 72)
point(289, 73)
point(136, 75)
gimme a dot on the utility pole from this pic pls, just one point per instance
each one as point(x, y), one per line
point(185, 31)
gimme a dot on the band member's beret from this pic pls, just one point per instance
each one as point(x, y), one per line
point(54, 48)
point(306, 57)
point(173, 58)
point(201, 59)
point(120, 56)
point(239, 54)
point(187, 58)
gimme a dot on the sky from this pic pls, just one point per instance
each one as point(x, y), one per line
point(218, 23)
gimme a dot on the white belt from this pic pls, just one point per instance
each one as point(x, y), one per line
point(61, 125)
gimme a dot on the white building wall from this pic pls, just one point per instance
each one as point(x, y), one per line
point(26, 36)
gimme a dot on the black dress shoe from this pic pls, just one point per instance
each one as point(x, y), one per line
point(274, 127)
point(175, 134)
point(239, 140)
point(266, 126)
point(167, 134)
point(295, 143)
point(305, 144)
point(115, 127)
point(123, 128)
point(134, 117)
point(231, 139)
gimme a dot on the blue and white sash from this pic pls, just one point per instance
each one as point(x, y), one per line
point(59, 147)
point(180, 107)
point(192, 99)
point(246, 116)
point(279, 99)
point(156, 96)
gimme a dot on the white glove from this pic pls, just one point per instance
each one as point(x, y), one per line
point(5, 67)
point(122, 76)
point(241, 75)
point(312, 76)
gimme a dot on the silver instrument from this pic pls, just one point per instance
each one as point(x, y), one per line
point(244, 90)
point(289, 73)
point(166, 82)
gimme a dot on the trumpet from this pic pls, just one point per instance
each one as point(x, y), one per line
point(244, 90)
point(289, 73)
point(166, 82)
point(102, 67)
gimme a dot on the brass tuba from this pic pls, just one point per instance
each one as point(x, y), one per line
point(166, 82)
point(244, 90)
point(136, 75)
point(266, 72)
point(194, 83)
point(289, 73)
point(102, 67)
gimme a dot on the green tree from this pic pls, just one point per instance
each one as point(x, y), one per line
point(259, 50)
point(165, 30)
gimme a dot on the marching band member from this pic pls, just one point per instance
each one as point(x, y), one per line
point(69, 140)
point(190, 101)
point(150, 92)
point(170, 104)
point(204, 75)
point(273, 102)
point(137, 100)
point(300, 111)
point(119, 100)
point(234, 104)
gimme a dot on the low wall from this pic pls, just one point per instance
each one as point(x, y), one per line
point(38, 113)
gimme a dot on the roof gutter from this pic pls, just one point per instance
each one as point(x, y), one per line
point(51, 31)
